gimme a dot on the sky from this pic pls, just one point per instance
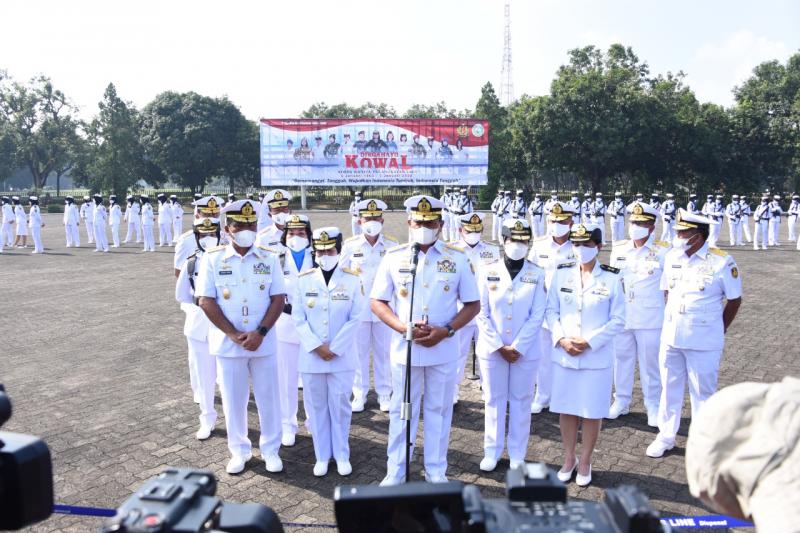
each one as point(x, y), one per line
point(274, 59)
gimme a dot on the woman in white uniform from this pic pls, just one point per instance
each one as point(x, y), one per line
point(21, 218)
point(35, 224)
point(329, 304)
point(585, 311)
point(513, 302)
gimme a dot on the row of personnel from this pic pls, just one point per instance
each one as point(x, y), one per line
point(552, 327)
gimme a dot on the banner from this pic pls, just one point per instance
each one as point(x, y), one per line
point(374, 152)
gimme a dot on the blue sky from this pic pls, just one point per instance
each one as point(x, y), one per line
point(275, 59)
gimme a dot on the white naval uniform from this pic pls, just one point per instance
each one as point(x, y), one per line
point(575, 205)
point(71, 220)
point(495, 217)
point(147, 228)
point(794, 211)
point(616, 210)
point(35, 225)
point(21, 220)
point(599, 217)
point(537, 218)
point(328, 314)
point(133, 217)
point(548, 254)
point(87, 214)
point(668, 209)
point(596, 313)
point(505, 214)
point(717, 211)
point(114, 219)
point(164, 224)
point(7, 234)
point(100, 235)
point(264, 220)
point(447, 215)
point(202, 365)
point(243, 286)
point(640, 269)
point(775, 222)
point(355, 227)
point(733, 212)
point(483, 252)
point(761, 219)
point(693, 336)
point(177, 220)
point(744, 227)
point(371, 334)
point(511, 314)
point(586, 212)
point(444, 277)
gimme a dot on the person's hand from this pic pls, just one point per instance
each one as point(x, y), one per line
point(567, 344)
point(434, 337)
point(420, 330)
point(510, 354)
point(580, 343)
point(251, 340)
point(325, 352)
point(236, 336)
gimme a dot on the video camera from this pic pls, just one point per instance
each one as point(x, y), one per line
point(26, 475)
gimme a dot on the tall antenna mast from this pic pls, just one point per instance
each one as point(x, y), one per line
point(506, 79)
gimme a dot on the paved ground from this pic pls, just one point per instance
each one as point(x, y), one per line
point(94, 359)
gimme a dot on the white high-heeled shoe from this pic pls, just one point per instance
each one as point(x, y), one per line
point(564, 477)
point(583, 481)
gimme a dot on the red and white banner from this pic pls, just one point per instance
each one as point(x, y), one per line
point(376, 152)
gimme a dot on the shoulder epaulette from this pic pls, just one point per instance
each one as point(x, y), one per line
point(307, 272)
point(567, 265)
point(543, 237)
point(350, 271)
point(354, 237)
point(454, 247)
point(661, 243)
point(620, 242)
point(608, 268)
point(391, 237)
point(398, 248)
point(717, 251)
point(217, 248)
point(267, 249)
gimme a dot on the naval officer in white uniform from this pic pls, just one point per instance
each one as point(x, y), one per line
point(363, 253)
point(704, 292)
point(186, 243)
point(241, 291)
point(641, 263)
point(513, 302)
point(444, 278)
point(329, 306)
point(585, 311)
point(276, 206)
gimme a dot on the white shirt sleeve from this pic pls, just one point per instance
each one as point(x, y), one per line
point(383, 287)
point(204, 284)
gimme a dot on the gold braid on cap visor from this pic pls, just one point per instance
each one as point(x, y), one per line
point(424, 211)
point(247, 214)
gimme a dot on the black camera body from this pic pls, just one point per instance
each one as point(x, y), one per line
point(26, 476)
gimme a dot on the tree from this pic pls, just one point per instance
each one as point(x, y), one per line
point(343, 110)
point(437, 110)
point(194, 138)
point(505, 163)
point(41, 124)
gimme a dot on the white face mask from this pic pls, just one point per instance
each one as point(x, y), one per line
point(680, 243)
point(296, 243)
point(208, 242)
point(515, 250)
point(558, 230)
point(372, 228)
point(638, 232)
point(328, 262)
point(424, 236)
point(585, 253)
point(279, 218)
point(472, 238)
point(245, 238)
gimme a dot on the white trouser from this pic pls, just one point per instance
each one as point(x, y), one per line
point(455, 225)
point(667, 230)
point(177, 228)
point(537, 226)
point(164, 233)
point(203, 374)
point(760, 231)
point(495, 225)
point(512, 384)
point(701, 367)
point(375, 336)
point(733, 228)
point(235, 389)
point(745, 227)
point(544, 371)
point(36, 234)
point(115, 234)
point(72, 234)
point(774, 226)
point(630, 345)
point(134, 228)
point(465, 336)
point(713, 235)
point(327, 399)
point(617, 228)
point(8, 234)
point(437, 382)
point(100, 237)
point(792, 223)
point(89, 231)
point(149, 239)
point(739, 228)
point(287, 381)
point(354, 226)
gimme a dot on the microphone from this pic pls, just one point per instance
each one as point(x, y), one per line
point(414, 256)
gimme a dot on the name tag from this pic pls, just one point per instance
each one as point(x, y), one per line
point(405, 271)
point(601, 292)
point(312, 294)
point(486, 255)
point(621, 259)
point(225, 272)
point(528, 279)
point(358, 255)
point(493, 278)
point(676, 266)
point(544, 256)
point(566, 289)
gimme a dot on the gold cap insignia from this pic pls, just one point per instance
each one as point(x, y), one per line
point(372, 206)
point(581, 230)
point(324, 236)
point(557, 209)
point(424, 206)
point(518, 226)
point(247, 210)
point(278, 196)
point(212, 204)
point(207, 223)
point(475, 219)
point(638, 209)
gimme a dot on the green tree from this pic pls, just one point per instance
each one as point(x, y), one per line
point(437, 110)
point(505, 162)
point(343, 110)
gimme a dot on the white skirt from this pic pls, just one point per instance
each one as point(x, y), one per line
point(585, 393)
point(22, 230)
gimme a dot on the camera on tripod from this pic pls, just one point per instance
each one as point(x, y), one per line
point(26, 475)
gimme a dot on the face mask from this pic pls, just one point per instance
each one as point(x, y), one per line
point(328, 262)
point(424, 236)
point(279, 218)
point(208, 242)
point(244, 238)
point(472, 238)
point(296, 243)
point(585, 253)
point(638, 232)
point(515, 250)
point(680, 243)
point(558, 230)
point(372, 228)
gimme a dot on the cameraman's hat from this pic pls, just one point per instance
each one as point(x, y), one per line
point(472, 221)
point(371, 208)
point(242, 211)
